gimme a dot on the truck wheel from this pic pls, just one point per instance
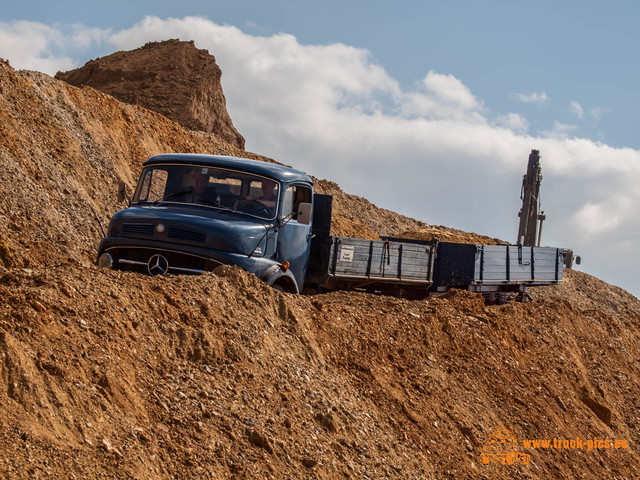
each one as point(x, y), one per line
point(285, 284)
point(283, 281)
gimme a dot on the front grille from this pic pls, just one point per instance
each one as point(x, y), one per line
point(136, 259)
point(137, 228)
point(185, 234)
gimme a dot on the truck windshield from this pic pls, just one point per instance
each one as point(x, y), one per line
point(208, 187)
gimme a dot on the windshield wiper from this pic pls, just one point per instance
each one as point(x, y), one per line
point(174, 194)
point(215, 203)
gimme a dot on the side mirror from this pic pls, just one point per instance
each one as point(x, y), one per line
point(304, 213)
point(122, 191)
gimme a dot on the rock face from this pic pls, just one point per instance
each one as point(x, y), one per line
point(173, 78)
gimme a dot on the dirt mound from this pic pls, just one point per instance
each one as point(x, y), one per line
point(108, 374)
point(63, 151)
point(446, 234)
point(590, 293)
point(173, 78)
point(361, 218)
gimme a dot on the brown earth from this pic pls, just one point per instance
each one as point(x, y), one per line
point(173, 78)
point(108, 374)
point(446, 234)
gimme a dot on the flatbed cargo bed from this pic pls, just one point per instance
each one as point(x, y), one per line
point(417, 268)
point(359, 260)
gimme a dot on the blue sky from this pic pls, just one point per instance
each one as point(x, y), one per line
point(426, 108)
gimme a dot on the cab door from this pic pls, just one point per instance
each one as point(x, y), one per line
point(294, 239)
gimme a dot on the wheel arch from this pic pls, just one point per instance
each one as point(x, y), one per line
point(276, 277)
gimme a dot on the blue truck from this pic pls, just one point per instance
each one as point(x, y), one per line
point(192, 213)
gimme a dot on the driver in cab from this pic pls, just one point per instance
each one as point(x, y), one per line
point(198, 190)
point(268, 197)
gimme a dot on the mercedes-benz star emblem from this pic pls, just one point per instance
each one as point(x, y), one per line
point(157, 265)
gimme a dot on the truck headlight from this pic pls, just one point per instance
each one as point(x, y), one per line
point(105, 261)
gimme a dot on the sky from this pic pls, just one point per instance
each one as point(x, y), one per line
point(426, 108)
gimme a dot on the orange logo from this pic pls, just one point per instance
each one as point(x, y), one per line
point(503, 447)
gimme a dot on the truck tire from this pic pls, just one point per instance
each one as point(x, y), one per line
point(281, 280)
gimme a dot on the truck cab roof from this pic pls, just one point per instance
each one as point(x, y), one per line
point(273, 170)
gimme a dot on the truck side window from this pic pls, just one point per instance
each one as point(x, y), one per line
point(158, 185)
point(154, 185)
point(294, 195)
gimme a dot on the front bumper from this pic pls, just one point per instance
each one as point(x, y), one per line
point(157, 258)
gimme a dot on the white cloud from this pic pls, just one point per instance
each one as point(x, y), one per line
point(431, 152)
point(598, 218)
point(560, 130)
point(514, 122)
point(576, 109)
point(538, 98)
point(438, 97)
point(35, 46)
point(450, 90)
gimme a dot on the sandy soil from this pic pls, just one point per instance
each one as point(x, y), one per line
point(108, 374)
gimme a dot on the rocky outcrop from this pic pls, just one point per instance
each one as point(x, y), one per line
point(173, 78)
